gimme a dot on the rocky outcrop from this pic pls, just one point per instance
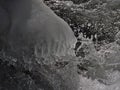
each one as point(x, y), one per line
point(36, 40)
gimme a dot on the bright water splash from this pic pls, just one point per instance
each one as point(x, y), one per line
point(102, 68)
point(88, 84)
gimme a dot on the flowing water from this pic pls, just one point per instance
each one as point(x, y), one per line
point(39, 54)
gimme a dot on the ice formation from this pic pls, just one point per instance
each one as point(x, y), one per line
point(34, 42)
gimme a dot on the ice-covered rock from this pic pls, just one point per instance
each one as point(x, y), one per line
point(31, 46)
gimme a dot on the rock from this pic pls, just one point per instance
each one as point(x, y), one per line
point(36, 39)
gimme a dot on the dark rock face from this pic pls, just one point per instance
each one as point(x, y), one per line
point(32, 40)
